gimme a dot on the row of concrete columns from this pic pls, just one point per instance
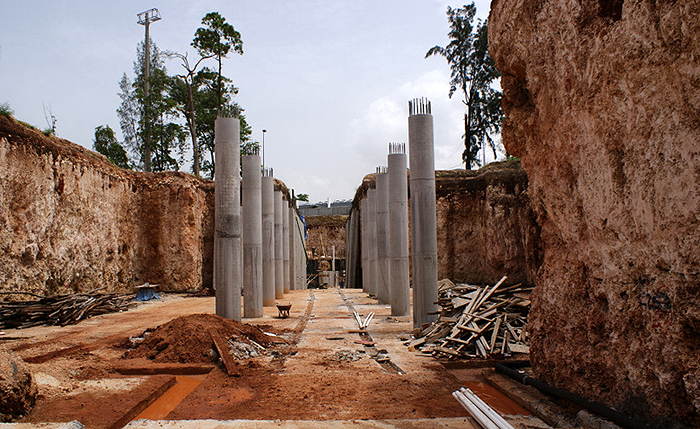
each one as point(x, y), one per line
point(384, 248)
point(256, 249)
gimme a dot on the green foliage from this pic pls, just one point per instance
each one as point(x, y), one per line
point(472, 72)
point(156, 125)
point(106, 143)
point(302, 197)
point(5, 110)
point(217, 38)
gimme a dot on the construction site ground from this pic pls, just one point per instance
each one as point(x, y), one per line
point(326, 373)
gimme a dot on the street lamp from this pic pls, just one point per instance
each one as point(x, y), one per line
point(263, 149)
point(145, 19)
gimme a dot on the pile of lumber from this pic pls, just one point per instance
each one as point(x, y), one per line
point(60, 310)
point(477, 322)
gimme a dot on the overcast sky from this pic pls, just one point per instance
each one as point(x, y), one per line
point(328, 79)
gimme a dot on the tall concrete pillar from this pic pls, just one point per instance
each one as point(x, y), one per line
point(301, 272)
point(398, 231)
point(364, 244)
point(285, 245)
point(227, 219)
point(279, 246)
point(423, 217)
point(252, 237)
point(268, 237)
point(372, 240)
point(382, 207)
point(291, 214)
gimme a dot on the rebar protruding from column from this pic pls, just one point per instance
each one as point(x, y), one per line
point(227, 222)
point(397, 148)
point(285, 245)
point(423, 216)
point(268, 237)
point(252, 236)
point(279, 246)
point(382, 208)
point(418, 106)
point(398, 231)
point(372, 241)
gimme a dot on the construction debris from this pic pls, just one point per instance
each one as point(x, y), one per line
point(60, 310)
point(362, 324)
point(477, 322)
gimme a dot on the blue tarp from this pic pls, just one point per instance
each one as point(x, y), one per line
point(146, 293)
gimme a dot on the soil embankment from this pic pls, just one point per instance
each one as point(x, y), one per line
point(601, 102)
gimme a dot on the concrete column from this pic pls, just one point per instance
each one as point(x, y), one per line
point(382, 207)
point(364, 244)
point(252, 237)
point(423, 217)
point(301, 274)
point(291, 214)
point(398, 231)
point(268, 237)
point(285, 245)
point(279, 246)
point(227, 222)
point(372, 240)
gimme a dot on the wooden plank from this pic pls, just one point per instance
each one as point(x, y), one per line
point(222, 348)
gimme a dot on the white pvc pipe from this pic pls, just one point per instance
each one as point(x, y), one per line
point(475, 412)
point(483, 406)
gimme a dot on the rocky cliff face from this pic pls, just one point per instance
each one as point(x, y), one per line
point(325, 232)
point(486, 228)
point(72, 222)
point(602, 103)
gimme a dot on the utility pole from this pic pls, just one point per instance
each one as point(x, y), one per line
point(145, 19)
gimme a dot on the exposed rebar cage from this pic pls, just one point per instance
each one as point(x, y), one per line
point(397, 148)
point(419, 106)
point(382, 169)
point(255, 150)
point(267, 172)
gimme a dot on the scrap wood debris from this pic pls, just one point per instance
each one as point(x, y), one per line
point(477, 321)
point(61, 309)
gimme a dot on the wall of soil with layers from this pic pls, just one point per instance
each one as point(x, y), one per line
point(70, 221)
point(602, 105)
point(485, 226)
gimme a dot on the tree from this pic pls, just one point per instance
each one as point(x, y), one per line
point(106, 143)
point(184, 88)
point(217, 39)
point(303, 197)
point(155, 129)
point(472, 71)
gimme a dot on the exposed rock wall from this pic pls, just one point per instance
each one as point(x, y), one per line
point(486, 227)
point(70, 221)
point(602, 104)
point(325, 232)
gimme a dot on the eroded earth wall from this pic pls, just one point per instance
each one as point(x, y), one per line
point(485, 226)
point(72, 222)
point(602, 104)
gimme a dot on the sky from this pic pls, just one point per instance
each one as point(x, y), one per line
point(329, 80)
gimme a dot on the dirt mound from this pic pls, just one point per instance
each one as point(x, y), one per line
point(17, 389)
point(187, 339)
